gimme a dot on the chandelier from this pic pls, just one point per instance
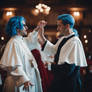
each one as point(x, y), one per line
point(41, 8)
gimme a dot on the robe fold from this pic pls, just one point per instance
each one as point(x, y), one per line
point(67, 69)
point(46, 75)
point(18, 54)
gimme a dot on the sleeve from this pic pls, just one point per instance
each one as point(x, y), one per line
point(20, 76)
point(73, 53)
point(32, 41)
point(68, 53)
point(15, 58)
point(49, 48)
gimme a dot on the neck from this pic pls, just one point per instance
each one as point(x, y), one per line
point(19, 34)
point(68, 32)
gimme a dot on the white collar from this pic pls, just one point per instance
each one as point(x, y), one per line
point(19, 37)
point(68, 35)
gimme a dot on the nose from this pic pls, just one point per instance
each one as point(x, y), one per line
point(57, 28)
point(26, 27)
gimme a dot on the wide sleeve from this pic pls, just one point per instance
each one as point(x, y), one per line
point(50, 49)
point(72, 53)
point(12, 57)
point(32, 41)
point(68, 53)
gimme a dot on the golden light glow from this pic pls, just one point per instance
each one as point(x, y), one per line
point(86, 41)
point(9, 13)
point(85, 36)
point(42, 8)
point(76, 13)
point(10, 9)
point(35, 12)
point(2, 38)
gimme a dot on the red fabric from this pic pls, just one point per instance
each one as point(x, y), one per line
point(89, 62)
point(46, 76)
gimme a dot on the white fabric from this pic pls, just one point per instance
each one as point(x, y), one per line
point(72, 51)
point(32, 43)
point(18, 54)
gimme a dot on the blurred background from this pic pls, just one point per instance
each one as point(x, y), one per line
point(35, 10)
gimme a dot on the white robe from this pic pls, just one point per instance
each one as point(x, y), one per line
point(18, 54)
point(72, 51)
point(32, 43)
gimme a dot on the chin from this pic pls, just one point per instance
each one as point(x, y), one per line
point(25, 35)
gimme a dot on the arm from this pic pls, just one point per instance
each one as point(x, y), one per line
point(47, 46)
point(41, 37)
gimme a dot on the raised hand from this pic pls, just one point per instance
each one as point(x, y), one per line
point(42, 23)
point(41, 38)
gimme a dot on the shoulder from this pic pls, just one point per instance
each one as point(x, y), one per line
point(73, 41)
point(12, 42)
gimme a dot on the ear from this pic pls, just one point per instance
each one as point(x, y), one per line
point(67, 26)
point(17, 30)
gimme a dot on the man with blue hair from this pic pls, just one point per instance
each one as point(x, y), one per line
point(68, 55)
point(22, 71)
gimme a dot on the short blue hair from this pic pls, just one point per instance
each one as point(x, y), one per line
point(67, 19)
point(13, 24)
point(75, 32)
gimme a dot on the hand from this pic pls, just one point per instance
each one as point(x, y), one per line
point(37, 28)
point(42, 23)
point(26, 85)
point(46, 64)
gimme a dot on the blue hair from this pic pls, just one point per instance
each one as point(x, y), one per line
point(13, 24)
point(75, 32)
point(67, 19)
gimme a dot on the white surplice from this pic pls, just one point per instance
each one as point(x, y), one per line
point(32, 43)
point(18, 54)
point(72, 51)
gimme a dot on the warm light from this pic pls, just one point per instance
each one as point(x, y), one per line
point(42, 8)
point(2, 38)
point(10, 9)
point(38, 6)
point(76, 13)
point(85, 36)
point(45, 6)
point(86, 41)
point(9, 13)
point(35, 12)
point(89, 30)
point(48, 8)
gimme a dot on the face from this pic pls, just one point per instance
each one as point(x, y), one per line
point(24, 31)
point(61, 27)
